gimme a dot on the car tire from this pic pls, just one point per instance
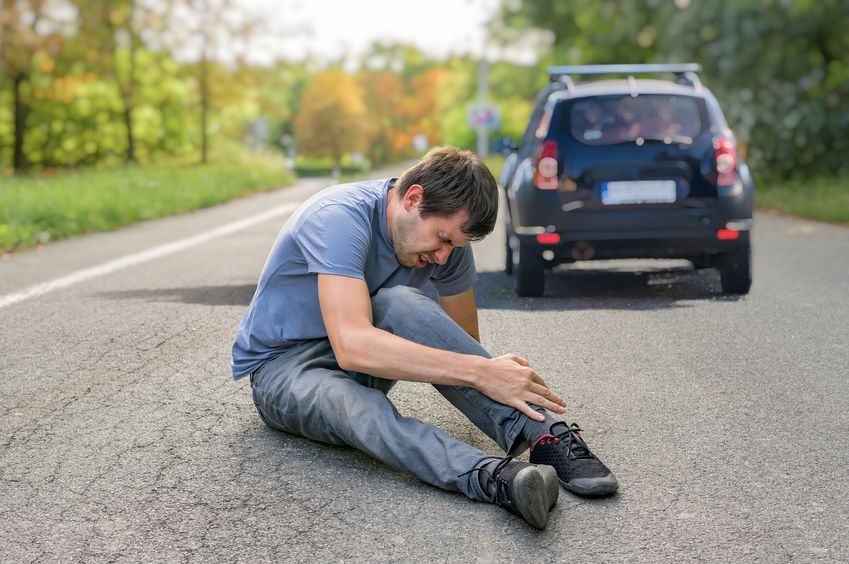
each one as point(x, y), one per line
point(530, 274)
point(735, 270)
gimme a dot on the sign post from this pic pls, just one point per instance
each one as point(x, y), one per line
point(483, 117)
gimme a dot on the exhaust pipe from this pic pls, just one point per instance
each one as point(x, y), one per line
point(582, 250)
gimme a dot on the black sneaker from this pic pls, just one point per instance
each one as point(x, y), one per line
point(578, 470)
point(526, 490)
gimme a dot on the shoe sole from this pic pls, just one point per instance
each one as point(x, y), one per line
point(552, 483)
point(531, 497)
point(592, 487)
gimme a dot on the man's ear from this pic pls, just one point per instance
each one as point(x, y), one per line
point(413, 197)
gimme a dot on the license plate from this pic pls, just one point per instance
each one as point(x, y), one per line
point(638, 192)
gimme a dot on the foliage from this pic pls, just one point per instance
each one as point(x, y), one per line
point(422, 109)
point(332, 119)
point(36, 210)
point(495, 163)
point(105, 82)
point(383, 94)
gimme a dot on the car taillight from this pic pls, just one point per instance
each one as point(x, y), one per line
point(726, 161)
point(545, 169)
point(548, 238)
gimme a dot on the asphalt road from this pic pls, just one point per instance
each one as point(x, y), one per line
point(122, 436)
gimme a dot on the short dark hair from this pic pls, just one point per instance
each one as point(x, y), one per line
point(455, 180)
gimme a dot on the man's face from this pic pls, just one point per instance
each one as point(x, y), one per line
point(418, 242)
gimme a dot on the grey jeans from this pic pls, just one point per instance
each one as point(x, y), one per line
point(305, 392)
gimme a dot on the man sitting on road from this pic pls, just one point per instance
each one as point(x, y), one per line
point(338, 317)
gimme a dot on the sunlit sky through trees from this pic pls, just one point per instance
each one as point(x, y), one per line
point(333, 30)
point(437, 27)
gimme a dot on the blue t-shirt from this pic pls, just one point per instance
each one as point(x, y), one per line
point(341, 230)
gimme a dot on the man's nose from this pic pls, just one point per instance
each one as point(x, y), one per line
point(441, 254)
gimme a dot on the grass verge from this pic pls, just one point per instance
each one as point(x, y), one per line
point(37, 210)
point(823, 198)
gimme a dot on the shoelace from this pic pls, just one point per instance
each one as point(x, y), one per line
point(504, 462)
point(502, 496)
point(571, 440)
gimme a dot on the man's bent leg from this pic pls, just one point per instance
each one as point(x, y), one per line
point(408, 313)
point(304, 392)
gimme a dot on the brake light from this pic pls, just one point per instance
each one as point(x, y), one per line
point(548, 238)
point(545, 174)
point(726, 161)
point(727, 234)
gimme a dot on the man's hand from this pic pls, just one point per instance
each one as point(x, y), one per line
point(511, 381)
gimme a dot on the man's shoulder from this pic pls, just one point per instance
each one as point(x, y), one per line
point(353, 193)
point(355, 200)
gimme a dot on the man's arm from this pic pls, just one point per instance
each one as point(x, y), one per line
point(463, 310)
point(360, 346)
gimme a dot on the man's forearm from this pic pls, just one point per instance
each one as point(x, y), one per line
point(373, 351)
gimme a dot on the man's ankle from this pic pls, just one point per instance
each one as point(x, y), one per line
point(534, 430)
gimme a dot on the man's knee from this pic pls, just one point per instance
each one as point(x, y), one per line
point(402, 300)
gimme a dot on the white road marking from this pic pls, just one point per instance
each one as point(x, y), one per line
point(144, 256)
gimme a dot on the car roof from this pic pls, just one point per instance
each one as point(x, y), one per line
point(627, 86)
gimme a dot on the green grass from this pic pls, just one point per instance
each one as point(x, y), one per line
point(823, 198)
point(495, 163)
point(37, 210)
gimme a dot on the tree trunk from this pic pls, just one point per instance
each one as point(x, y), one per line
point(129, 97)
point(19, 158)
point(128, 122)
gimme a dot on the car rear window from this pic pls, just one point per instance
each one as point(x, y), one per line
point(618, 119)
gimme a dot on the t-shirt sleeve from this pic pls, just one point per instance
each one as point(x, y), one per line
point(458, 274)
point(335, 239)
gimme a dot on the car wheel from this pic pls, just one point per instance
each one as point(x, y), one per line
point(735, 270)
point(530, 274)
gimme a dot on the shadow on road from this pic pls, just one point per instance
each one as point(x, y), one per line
point(202, 295)
point(606, 285)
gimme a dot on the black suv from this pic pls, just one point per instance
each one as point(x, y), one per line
point(627, 168)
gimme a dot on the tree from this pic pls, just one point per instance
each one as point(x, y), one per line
point(332, 120)
point(110, 41)
point(20, 44)
point(383, 94)
point(212, 34)
point(423, 108)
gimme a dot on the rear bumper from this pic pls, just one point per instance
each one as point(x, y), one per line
point(590, 231)
point(655, 243)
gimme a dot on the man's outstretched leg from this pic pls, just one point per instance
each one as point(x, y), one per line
point(304, 392)
point(408, 313)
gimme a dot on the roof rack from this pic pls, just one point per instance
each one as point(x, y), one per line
point(684, 73)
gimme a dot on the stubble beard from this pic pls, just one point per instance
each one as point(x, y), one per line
point(401, 245)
